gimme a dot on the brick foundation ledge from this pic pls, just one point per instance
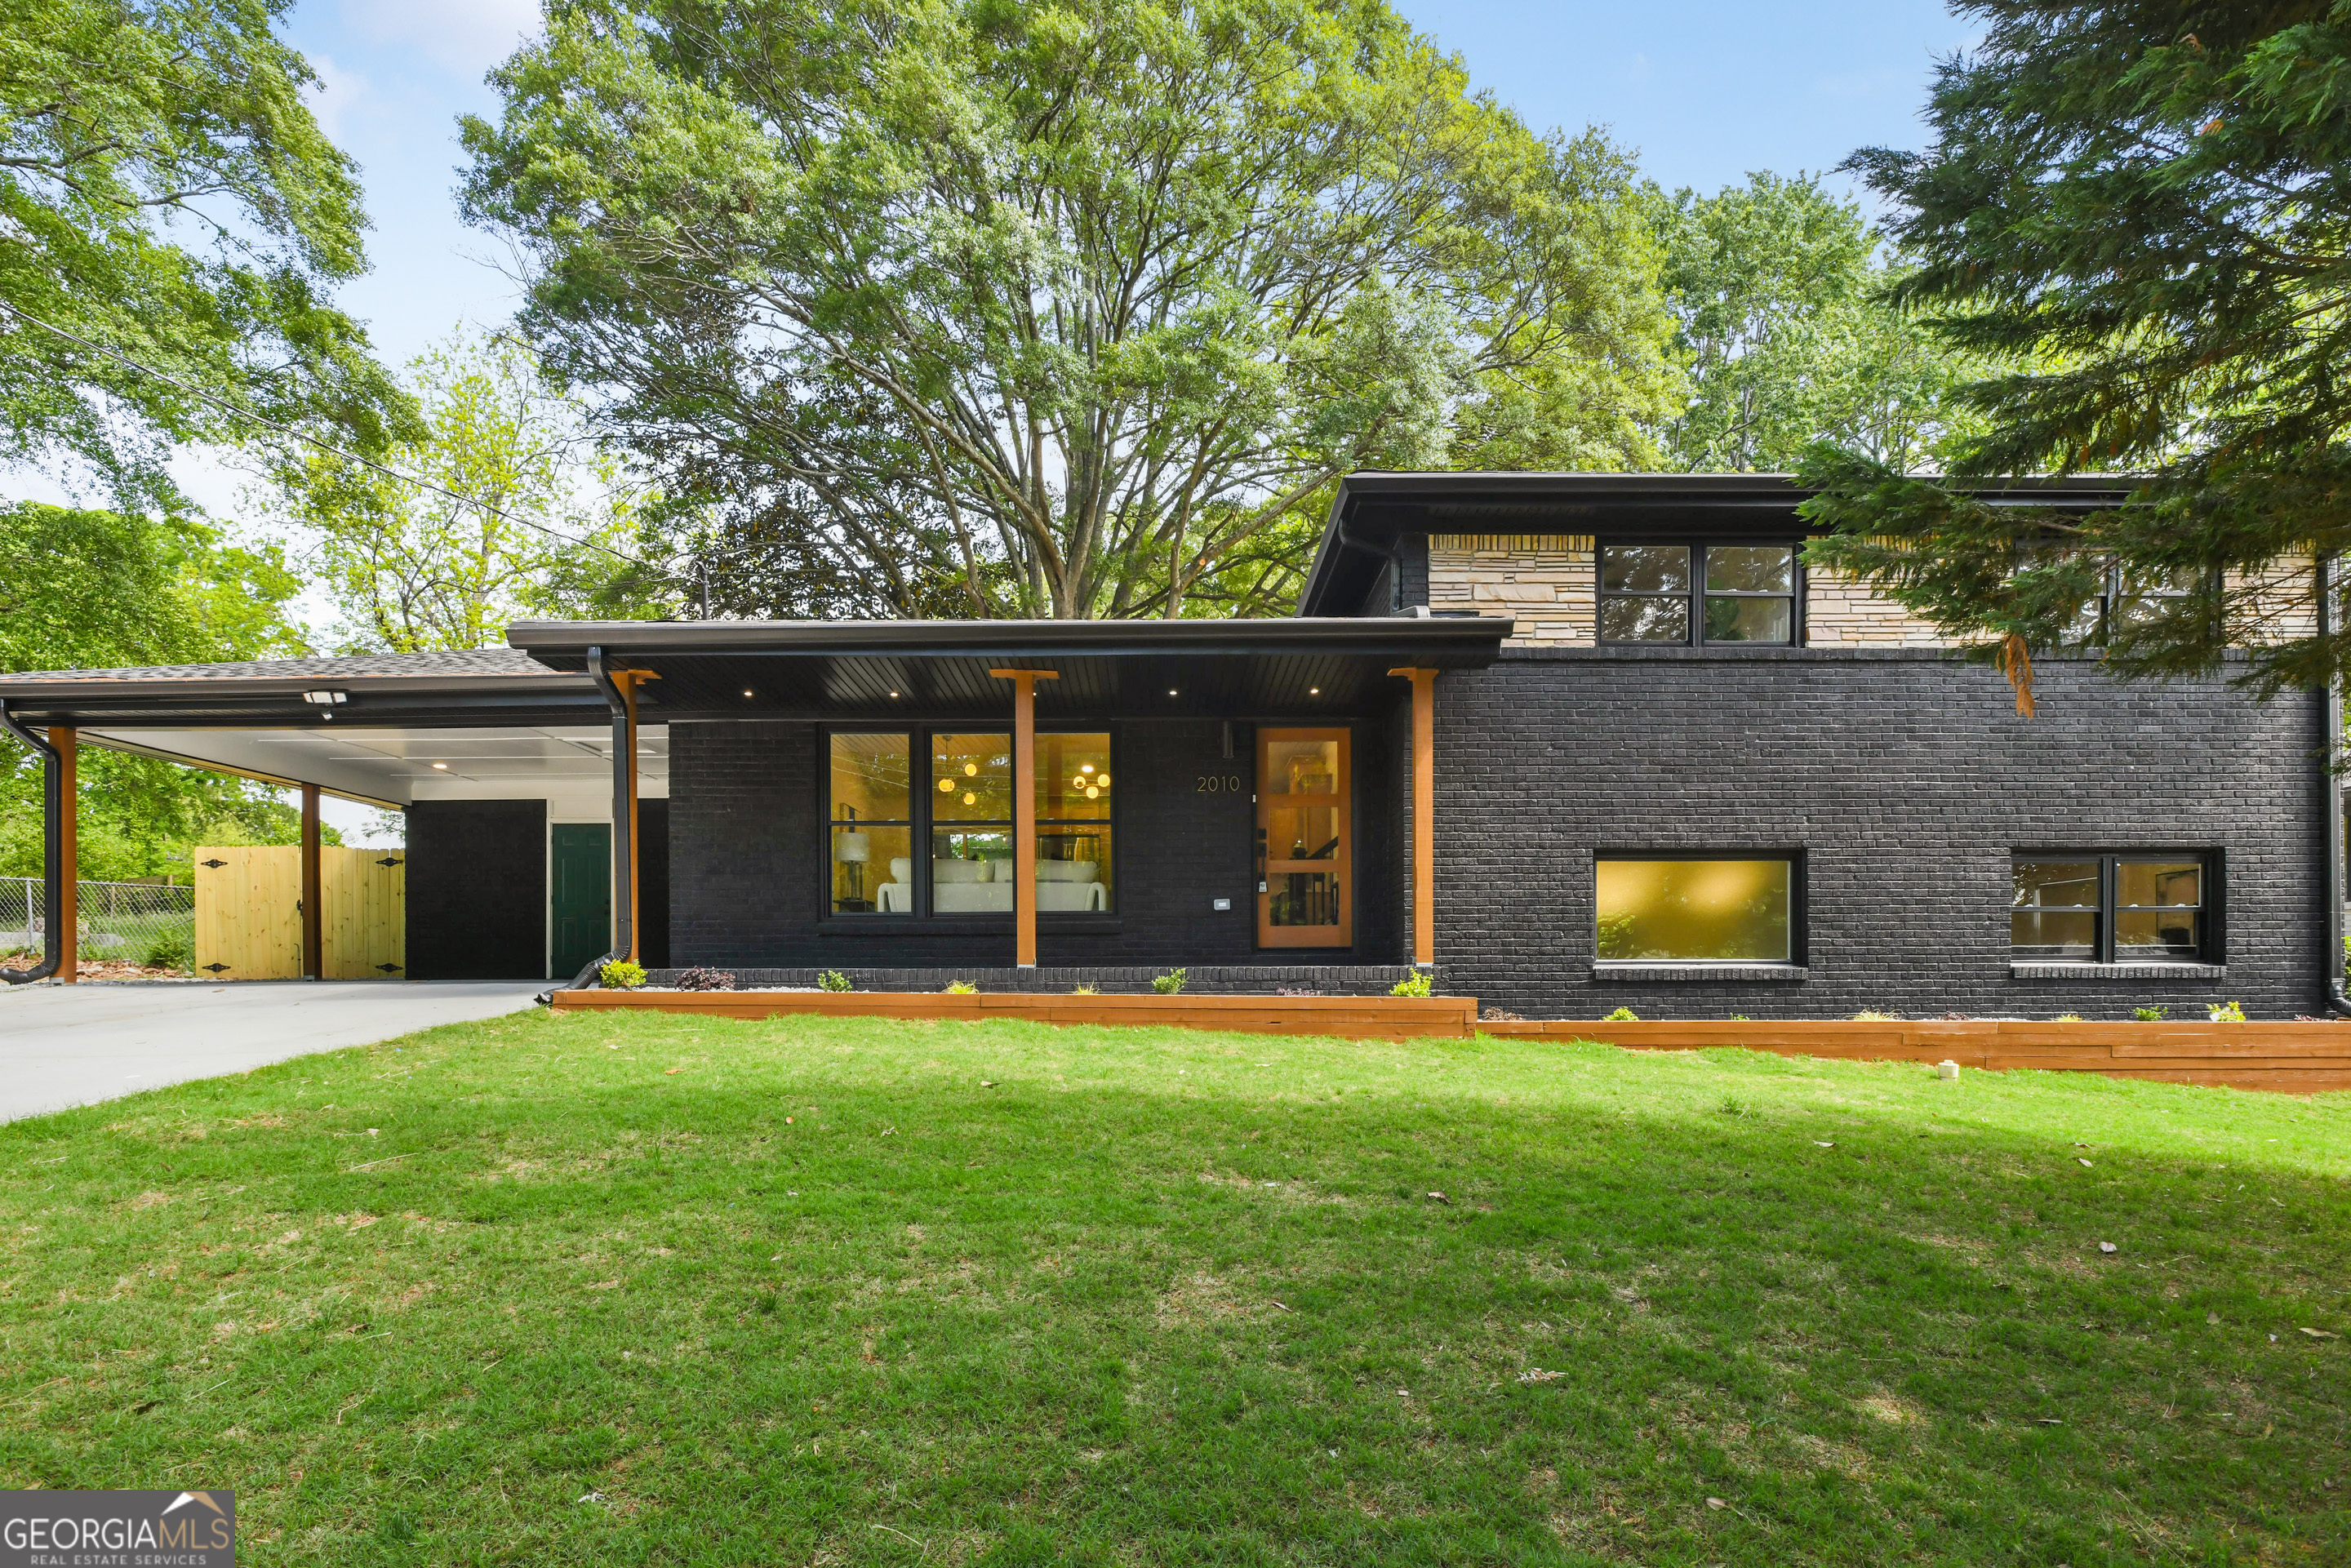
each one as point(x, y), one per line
point(1200, 979)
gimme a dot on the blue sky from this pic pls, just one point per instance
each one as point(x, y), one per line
point(1705, 90)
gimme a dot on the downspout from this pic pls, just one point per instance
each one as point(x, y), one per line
point(2330, 791)
point(53, 852)
point(624, 865)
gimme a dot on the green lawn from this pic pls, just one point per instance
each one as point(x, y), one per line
point(620, 1290)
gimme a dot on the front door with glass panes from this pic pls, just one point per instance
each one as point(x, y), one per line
point(1305, 840)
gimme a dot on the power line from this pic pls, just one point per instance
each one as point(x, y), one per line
point(288, 431)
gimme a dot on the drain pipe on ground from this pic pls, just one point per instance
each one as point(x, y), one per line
point(53, 852)
point(2332, 873)
point(624, 865)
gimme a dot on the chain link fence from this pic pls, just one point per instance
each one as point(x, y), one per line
point(121, 921)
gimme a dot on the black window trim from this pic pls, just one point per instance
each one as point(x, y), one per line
point(2210, 950)
point(1698, 546)
point(1799, 936)
point(926, 919)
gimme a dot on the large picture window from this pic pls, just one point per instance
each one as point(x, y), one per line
point(963, 816)
point(2090, 908)
point(1716, 909)
point(1697, 593)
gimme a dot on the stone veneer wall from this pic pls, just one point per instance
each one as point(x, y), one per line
point(1550, 583)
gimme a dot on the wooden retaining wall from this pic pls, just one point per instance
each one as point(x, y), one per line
point(1353, 1017)
point(2299, 1057)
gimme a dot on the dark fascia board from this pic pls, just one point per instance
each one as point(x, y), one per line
point(554, 683)
point(1393, 495)
point(564, 644)
point(422, 702)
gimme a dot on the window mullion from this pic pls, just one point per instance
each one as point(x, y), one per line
point(2109, 893)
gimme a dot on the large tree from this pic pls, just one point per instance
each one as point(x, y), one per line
point(97, 589)
point(166, 194)
point(2143, 207)
point(502, 507)
point(1777, 284)
point(967, 307)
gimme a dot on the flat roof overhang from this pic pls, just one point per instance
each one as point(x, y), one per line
point(425, 702)
point(863, 670)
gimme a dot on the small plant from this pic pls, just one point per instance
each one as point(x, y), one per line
point(1084, 992)
point(2226, 1012)
point(1411, 985)
point(172, 949)
point(1737, 1018)
point(703, 979)
point(2150, 1015)
point(962, 989)
point(1623, 1014)
point(1731, 1107)
point(2067, 1018)
point(1871, 1015)
point(1168, 984)
point(833, 980)
point(620, 975)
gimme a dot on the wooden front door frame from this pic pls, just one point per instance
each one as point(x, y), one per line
point(1342, 866)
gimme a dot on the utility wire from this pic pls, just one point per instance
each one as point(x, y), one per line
point(288, 431)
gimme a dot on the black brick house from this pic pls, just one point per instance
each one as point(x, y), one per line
point(1577, 742)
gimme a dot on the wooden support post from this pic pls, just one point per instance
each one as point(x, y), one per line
point(68, 914)
point(1424, 814)
point(1024, 810)
point(314, 904)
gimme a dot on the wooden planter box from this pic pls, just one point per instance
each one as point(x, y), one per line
point(1353, 1017)
point(2303, 1058)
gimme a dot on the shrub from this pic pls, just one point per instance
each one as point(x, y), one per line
point(962, 989)
point(1623, 1014)
point(2226, 1012)
point(1871, 1015)
point(2067, 1018)
point(1413, 985)
point(1168, 984)
point(702, 979)
point(620, 975)
point(173, 950)
point(2150, 1015)
point(1085, 991)
point(833, 980)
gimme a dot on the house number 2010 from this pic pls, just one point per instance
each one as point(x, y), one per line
point(1217, 783)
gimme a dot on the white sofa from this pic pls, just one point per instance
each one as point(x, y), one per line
point(987, 887)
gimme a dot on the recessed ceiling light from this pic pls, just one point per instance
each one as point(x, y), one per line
point(747, 691)
point(443, 766)
point(1171, 691)
point(1314, 691)
point(894, 694)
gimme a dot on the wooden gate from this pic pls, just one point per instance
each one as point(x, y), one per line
point(365, 892)
point(249, 913)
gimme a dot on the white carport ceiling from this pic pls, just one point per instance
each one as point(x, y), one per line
point(395, 767)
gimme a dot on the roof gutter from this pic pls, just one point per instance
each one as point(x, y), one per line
point(2332, 871)
point(53, 852)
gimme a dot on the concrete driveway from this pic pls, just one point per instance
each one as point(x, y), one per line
point(75, 1045)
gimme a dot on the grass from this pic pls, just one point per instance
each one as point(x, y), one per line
point(608, 1289)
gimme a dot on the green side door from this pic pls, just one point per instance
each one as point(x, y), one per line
point(581, 893)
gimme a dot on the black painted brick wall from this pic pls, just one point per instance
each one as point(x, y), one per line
point(1905, 780)
point(477, 889)
point(745, 847)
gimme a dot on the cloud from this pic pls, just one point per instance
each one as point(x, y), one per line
point(468, 36)
point(334, 95)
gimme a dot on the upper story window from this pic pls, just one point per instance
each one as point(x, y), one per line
point(2133, 598)
point(1697, 593)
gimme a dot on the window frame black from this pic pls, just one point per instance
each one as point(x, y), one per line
point(2208, 948)
point(918, 741)
point(1799, 943)
point(1697, 595)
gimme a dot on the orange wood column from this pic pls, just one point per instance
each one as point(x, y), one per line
point(314, 908)
point(1024, 810)
point(1423, 813)
point(68, 914)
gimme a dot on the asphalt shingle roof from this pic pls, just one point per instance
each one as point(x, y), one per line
point(354, 667)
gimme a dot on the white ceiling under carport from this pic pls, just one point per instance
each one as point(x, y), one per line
point(567, 765)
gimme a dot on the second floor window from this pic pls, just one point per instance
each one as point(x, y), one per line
point(1694, 594)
